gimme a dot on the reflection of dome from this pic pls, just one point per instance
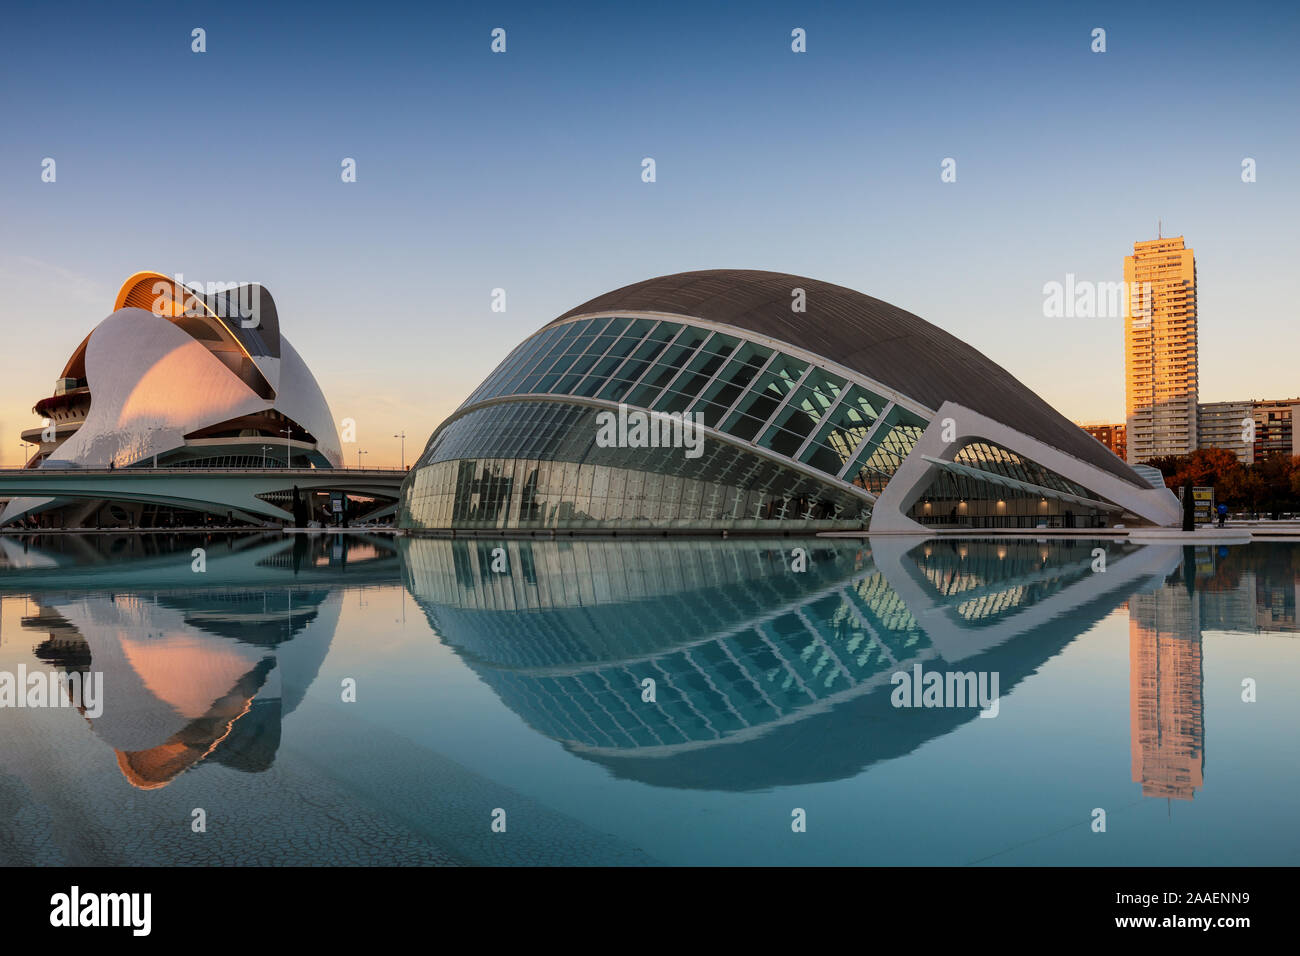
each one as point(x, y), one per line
point(184, 379)
point(846, 411)
point(763, 676)
point(604, 600)
point(179, 691)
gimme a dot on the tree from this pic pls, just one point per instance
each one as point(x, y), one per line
point(1270, 484)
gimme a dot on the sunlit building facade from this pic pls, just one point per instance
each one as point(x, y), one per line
point(816, 407)
point(175, 378)
point(1160, 349)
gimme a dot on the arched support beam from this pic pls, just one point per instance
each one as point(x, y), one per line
point(1157, 505)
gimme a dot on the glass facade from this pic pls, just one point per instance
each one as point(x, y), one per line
point(784, 404)
point(535, 465)
point(963, 500)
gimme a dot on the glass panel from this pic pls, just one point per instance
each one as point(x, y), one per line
point(659, 375)
point(867, 404)
point(781, 441)
point(578, 346)
point(606, 367)
point(639, 327)
point(567, 334)
point(576, 373)
point(712, 413)
point(666, 367)
point(824, 386)
point(739, 372)
point(823, 458)
point(893, 441)
point(510, 375)
point(721, 344)
point(764, 396)
point(804, 410)
point(743, 426)
point(843, 430)
point(695, 376)
point(641, 359)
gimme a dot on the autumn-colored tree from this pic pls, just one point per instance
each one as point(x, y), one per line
point(1270, 485)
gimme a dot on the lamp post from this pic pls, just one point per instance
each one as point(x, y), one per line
point(286, 432)
point(23, 446)
point(359, 454)
point(265, 449)
point(402, 436)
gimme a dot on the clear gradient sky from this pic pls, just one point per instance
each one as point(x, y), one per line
point(523, 171)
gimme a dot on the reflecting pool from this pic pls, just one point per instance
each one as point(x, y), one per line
point(360, 699)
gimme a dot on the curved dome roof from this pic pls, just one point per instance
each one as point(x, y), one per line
point(881, 341)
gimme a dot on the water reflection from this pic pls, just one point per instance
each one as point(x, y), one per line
point(202, 666)
point(1222, 589)
point(764, 675)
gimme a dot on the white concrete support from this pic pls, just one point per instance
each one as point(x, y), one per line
point(1157, 505)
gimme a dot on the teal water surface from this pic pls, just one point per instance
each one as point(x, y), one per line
point(339, 699)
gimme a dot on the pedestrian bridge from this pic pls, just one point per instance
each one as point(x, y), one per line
point(250, 493)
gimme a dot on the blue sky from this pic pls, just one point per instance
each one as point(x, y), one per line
point(522, 171)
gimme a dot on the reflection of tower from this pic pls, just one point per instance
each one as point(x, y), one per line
point(1165, 701)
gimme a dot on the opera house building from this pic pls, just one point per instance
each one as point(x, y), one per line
point(174, 378)
point(732, 400)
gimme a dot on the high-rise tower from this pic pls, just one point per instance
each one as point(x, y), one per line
point(1160, 366)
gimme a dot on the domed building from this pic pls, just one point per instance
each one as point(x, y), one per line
point(732, 400)
point(178, 378)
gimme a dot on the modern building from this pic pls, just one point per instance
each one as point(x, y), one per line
point(1275, 432)
point(176, 379)
point(1113, 436)
point(1222, 425)
point(1160, 352)
point(759, 401)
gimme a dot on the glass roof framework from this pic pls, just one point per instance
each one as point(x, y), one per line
point(755, 392)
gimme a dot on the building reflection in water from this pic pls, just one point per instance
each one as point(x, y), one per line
point(1167, 730)
point(200, 668)
point(763, 676)
point(1245, 590)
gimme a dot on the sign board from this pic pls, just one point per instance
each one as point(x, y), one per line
point(1202, 503)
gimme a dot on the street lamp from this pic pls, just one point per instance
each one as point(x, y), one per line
point(265, 449)
point(359, 454)
point(23, 446)
point(402, 436)
point(286, 432)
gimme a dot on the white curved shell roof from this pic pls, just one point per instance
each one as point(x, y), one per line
point(151, 383)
